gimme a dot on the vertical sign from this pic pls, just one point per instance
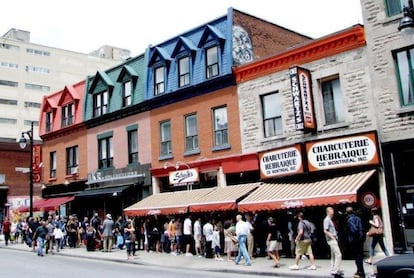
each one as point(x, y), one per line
point(301, 86)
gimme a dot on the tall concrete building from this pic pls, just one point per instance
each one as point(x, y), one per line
point(29, 71)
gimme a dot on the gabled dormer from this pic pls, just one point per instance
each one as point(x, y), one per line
point(68, 103)
point(128, 78)
point(159, 65)
point(212, 43)
point(100, 89)
point(184, 55)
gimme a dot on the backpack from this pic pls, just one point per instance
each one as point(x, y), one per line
point(309, 231)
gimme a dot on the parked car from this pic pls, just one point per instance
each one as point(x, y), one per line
point(398, 266)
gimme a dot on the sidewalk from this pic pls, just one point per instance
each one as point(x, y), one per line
point(260, 266)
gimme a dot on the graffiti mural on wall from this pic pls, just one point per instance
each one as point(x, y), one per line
point(242, 46)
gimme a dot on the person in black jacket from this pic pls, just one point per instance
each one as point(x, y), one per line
point(39, 236)
point(356, 238)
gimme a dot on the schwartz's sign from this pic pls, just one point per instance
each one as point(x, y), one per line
point(301, 86)
point(349, 151)
point(281, 162)
point(184, 177)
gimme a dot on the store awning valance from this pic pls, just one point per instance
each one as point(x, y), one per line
point(337, 190)
point(47, 204)
point(166, 203)
point(223, 198)
point(105, 191)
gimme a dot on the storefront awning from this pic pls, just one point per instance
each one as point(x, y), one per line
point(106, 191)
point(337, 190)
point(223, 198)
point(166, 203)
point(47, 204)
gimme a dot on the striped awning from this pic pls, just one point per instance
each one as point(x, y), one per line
point(337, 190)
point(166, 203)
point(223, 198)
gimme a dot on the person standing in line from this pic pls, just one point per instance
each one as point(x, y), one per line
point(128, 235)
point(376, 222)
point(171, 236)
point(50, 239)
point(197, 237)
point(208, 234)
point(229, 238)
point(242, 230)
point(108, 227)
point(187, 235)
point(303, 243)
point(6, 229)
point(216, 243)
point(250, 238)
point(272, 241)
point(58, 235)
point(331, 236)
point(355, 233)
point(178, 235)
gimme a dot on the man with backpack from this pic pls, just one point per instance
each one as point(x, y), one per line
point(356, 238)
point(303, 242)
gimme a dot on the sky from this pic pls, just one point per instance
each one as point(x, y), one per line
point(84, 26)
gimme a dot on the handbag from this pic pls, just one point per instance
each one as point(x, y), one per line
point(374, 231)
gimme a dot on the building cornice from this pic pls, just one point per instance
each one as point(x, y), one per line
point(348, 39)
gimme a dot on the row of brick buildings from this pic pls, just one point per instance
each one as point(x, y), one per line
point(241, 114)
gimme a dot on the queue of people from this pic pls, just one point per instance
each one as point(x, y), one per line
point(237, 237)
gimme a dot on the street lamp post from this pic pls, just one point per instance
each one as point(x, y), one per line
point(23, 143)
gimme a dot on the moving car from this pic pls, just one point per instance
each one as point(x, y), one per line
point(398, 266)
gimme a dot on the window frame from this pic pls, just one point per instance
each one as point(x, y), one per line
point(184, 77)
point(271, 121)
point(406, 93)
point(49, 121)
point(191, 133)
point(105, 152)
point(133, 153)
point(100, 103)
point(165, 139)
point(223, 132)
point(72, 160)
point(127, 93)
point(159, 84)
point(212, 65)
point(53, 161)
point(68, 115)
point(334, 102)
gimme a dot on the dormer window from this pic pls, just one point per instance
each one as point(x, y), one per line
point(126, 93)
point(159, 80)
point(184, 71)
point(100, 103)
point(49, 121)
point(67, 115)
point(212, 66)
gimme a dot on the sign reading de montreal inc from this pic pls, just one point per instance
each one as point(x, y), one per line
point(281, 162)
point(342, 152)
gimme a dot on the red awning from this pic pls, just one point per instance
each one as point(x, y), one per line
point(166, 203)
point(273, 196)
point(223, 198)
point(47, 204)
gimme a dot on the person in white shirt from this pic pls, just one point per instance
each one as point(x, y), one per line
point(208, 234)
point(187, 235)
point(197, 237)
point(242, 230)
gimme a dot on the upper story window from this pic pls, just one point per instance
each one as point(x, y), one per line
point(52, 157)
point(32, 104)
point(126, 93)
point(159, 80)
point(394, 7)
point(105, 153)
point(220, 125)
point(8, 101)
point(165, 137)
point(184, 71)
point(333, 105)
point(133, 146)
point(36, 87)
point(191, 133)
point(67, 115)
point(405, 71)
point(100, 103)
point(272, 115)
point(8, 83)
point(37, 69)
point(9, 65)
point(37, 52)
point(212, 66)
point(49, 121)
point(72, 163)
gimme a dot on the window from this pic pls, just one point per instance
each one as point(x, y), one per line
point(105, 153)
point(221, 136)
point(8, 101)
point(100, 103)
point(212, 66)
point(9, 65)
point(394, 7)
point(191, 133)
point(404, 64)
point(37, 69)
point(37, 52)
point(133, 146)
point(72, 162)
point(159, 81)
point(36, 87)
point(126, 93)
point(332, 102)
point(184, 71)
point(49, 121)
point(32, 104)
point(52, 173)
point(8, 83)
point(272, 117)
point(166, 144)
point(67, 115)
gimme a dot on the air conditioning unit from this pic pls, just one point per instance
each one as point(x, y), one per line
point(74, 170)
